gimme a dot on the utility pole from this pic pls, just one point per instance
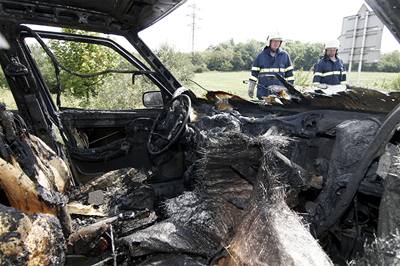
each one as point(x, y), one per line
point(353, 42)
point(193, 24)
point(362, 46)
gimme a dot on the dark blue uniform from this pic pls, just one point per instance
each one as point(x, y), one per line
point(266, 64)
point(329, 72)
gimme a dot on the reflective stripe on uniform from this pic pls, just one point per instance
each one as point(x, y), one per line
point(288, 68)
point(253, 78)
point(343, 82)
point(255, 69)
point(316, 83)
point(289, 78)
point(327, 73)
point(273, 70)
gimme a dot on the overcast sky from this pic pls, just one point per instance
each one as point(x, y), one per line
point(221, 20)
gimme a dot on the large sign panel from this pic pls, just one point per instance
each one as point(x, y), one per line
point(360, 41)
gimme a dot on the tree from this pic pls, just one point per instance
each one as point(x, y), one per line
point(45, 65)
point(220, 57)
point(249, 51)
point(220, 60)
point(178, 63)
point(304, 55)
point(231, 56)
point(390, 62)
point(85, 58)
point(199, 62)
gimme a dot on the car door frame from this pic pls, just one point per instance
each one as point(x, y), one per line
point(158, 79)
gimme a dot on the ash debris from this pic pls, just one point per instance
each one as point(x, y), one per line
point(256, 191)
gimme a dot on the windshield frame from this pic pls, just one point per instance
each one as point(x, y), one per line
point(52, 35)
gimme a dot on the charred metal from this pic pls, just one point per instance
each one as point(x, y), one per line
point(311, 179)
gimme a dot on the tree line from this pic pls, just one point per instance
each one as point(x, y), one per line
point(231, 56)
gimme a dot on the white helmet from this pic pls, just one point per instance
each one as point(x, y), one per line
point(332, 44)
point(274, 36)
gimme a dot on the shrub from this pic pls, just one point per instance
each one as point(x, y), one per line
point(302, 78)
point(394, 85)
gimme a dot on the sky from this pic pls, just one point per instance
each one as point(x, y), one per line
point(222, 20)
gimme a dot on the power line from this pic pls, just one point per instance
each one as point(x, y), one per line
point(193, 24)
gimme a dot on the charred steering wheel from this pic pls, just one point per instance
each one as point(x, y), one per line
point(169, 124)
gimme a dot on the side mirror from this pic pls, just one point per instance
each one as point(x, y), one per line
point(153, 99)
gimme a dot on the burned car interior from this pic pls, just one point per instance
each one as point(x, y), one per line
point(219, 180)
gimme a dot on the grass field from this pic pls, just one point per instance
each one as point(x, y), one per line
point(233, 81)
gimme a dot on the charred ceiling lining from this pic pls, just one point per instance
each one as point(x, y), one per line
point(389, 12)
point(107, 16)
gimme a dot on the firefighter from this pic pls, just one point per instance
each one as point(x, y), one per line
point(270, 61)
point(329, 70)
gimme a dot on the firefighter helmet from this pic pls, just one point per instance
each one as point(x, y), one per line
point(332, 44)
point(274, 36)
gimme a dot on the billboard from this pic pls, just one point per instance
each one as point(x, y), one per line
point(361, 37)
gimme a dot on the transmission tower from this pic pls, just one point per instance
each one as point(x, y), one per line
point(193, 24)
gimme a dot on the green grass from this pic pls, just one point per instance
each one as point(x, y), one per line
point(233, 81)
point(226, 81)
point(373, 80)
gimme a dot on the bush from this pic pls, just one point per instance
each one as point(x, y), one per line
point(113, 97)
point(302, 78)
point(394, 85)
point(199, 63)
point(200, 69)
point(390, 62)
point(180, 64)
point(219, 60)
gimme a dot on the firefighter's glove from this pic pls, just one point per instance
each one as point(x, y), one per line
point(252, 86)
point(321, 86)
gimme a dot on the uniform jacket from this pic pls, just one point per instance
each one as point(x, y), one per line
point(265, 64)
point(329, 72)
